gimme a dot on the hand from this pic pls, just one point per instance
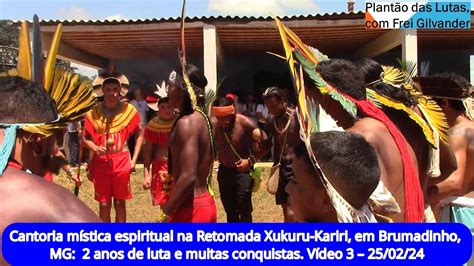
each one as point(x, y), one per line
point(242, 165)
point(77, 180)
point(132, 167)
point(73, 176)
point(146, 182)
point(100, 150)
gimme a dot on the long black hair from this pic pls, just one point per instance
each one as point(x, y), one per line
point(198, 82)
point(344, 75)
point(373, 72)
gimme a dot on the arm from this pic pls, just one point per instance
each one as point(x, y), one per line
point(89, 144)
point(245, 164)
point(259, 113)
point(214, 125)
point(187, 140)
point(261, 147)
point(67, 167)
point(138, 146)
point(147, 155)
point(453, 185)
point(447, 161)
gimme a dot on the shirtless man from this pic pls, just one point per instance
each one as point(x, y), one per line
point(334, 151)
point(155, 153)
point(191, 151)
point(233, 134)
point(107, 129)
point(454, 193)
point(349, 80)
point(25, 102)
point(283, 127)
point(410, 129)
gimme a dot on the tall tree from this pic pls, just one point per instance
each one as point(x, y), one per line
point(8, 45)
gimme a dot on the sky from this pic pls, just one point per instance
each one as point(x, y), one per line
point(128, 9)
point(148, 9)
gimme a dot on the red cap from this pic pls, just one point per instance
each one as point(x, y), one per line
point(151, 99)
point(230, 95)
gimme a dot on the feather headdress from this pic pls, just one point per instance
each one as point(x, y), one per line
point(182, 61)
point(162, 91)
point(432, 112)
point(72, 96)
point(307, 59)
point(432, 119)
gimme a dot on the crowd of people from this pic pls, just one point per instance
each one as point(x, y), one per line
point(179, 142)
point(390, 159)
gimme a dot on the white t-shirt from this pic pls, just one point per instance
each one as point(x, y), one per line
point(262, 108)
point(142, 108)
point(251, 109)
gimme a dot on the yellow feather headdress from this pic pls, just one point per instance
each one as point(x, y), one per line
point(73, 97)
point(435, 120)
point(307, 58)
point(432, 119)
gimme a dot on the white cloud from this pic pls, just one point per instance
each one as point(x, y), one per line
point(85, 70)
point(263, 7)
point(74, 13)
point(117, 17)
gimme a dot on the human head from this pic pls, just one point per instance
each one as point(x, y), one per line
point(448, 89)
point(275, 100)
point(98, 83)
point(250, 99)
point(348, 79)
point(111, 88)
point(137, 93)
point(178, 91)
point(349, 163)
point(24, 101)
point(373, 77)
point(224, 111)
point(344, 75)
point(165, 111)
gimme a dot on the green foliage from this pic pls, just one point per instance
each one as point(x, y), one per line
point(319, 82)
point(65, 65)
point(8, 45)
point(9, 34)
point(211, 96)
point(86, 79)
point(409, 67)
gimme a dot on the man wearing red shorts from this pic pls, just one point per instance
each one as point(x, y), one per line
point(191, 151)
point(107, 129)
point(155, 152)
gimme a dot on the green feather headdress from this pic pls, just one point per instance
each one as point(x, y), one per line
point(302, 59)
point(73, 97)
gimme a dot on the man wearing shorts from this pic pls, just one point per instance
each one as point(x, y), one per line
point(107, 129)
point(155, 153)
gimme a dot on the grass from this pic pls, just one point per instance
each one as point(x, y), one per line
point(140, 209)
